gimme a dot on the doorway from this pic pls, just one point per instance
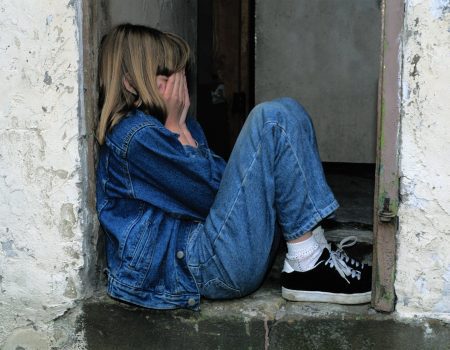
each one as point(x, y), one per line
point(329, 56)
point(227, 36)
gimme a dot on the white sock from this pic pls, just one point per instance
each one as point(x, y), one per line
point(303, 256)
point(319, 235)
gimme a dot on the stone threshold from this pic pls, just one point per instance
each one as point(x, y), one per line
point(262, 320)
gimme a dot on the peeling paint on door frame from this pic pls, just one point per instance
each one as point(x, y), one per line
point(387, 180)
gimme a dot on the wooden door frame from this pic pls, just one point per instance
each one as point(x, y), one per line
point(233, 49)
point(386, 199)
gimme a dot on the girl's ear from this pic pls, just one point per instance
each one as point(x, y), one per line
point(128, 86)
point(161, 82)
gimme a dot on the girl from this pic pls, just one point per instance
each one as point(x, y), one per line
point(180, 223)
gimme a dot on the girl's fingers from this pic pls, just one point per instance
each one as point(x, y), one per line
point(182, 85)
point(169, 86)
point(176, 85)
point(176, 96)
point(186, 93)
point(186, 101)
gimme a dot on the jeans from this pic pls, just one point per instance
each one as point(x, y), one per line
point(274, 178)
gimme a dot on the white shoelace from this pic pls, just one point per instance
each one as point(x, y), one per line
point(345, 243)
point(335, 260)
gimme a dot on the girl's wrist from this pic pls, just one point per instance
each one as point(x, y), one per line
point(187, 135)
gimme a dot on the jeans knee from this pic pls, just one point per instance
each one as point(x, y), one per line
point(264, 111)
point(295, 108)
point(262, 114)
point(283, 111)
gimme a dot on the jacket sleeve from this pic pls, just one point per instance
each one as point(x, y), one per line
point(164, 174)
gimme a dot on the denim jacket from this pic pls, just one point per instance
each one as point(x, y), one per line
point(151, 193)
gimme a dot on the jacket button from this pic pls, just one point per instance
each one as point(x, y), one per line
point(180, 254)
point(191, 302)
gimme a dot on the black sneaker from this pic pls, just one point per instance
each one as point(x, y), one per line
point(331, 280)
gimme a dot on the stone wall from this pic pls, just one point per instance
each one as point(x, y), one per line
point(423, 262)
point(41, 228)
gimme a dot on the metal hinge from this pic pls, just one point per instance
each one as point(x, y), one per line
point(386, 214)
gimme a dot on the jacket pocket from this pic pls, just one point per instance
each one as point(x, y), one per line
point(143, 252)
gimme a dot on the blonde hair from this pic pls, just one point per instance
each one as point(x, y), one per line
point(139, 54)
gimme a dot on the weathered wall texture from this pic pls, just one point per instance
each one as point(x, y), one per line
point(423, 265)
point(41, 232)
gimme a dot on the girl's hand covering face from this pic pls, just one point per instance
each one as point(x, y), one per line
point(176, 96)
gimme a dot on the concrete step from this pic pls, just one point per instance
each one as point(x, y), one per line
point(262, 320)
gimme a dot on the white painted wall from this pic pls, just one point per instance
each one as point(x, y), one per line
point(41, 232)
point(423, 264)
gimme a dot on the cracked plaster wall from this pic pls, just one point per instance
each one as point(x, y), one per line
point(41, 238)
point(423, 262)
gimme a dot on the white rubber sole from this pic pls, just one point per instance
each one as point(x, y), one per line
point(324, 297)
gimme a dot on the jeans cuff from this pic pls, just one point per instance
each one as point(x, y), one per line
point(309, 225)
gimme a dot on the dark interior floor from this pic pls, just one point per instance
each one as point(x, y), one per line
point(353, 186)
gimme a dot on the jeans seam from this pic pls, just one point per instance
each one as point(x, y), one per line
point(317, 217)
point(301, 169)
point(255, 154)
point(205, 285)
point(245, 177)
point(239, 192)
